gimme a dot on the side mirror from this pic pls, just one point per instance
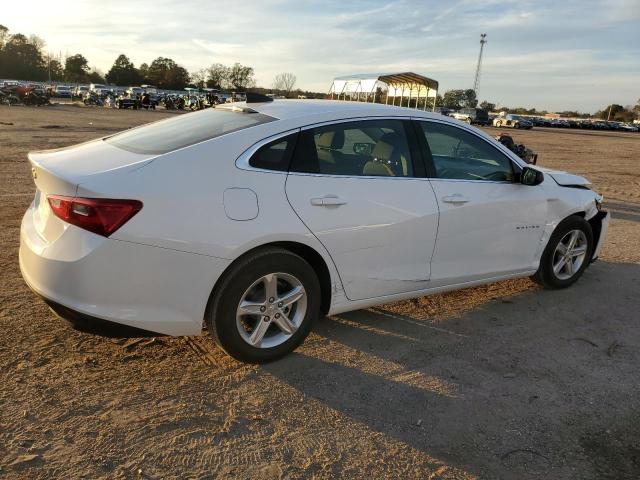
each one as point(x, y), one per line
point(531, 176)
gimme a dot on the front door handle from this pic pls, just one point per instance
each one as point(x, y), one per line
point(328, 201)
point(456, 199)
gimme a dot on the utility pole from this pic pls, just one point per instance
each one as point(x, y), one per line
point(476, 83)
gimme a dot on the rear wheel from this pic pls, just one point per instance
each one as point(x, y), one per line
point(264, 306)
point(498, 124)
point(567, 254)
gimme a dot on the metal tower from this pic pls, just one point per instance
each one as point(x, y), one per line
point(476, 83)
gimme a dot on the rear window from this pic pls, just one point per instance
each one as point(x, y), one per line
point(184, 130)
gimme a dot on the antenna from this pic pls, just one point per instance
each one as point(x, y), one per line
point(476, 83)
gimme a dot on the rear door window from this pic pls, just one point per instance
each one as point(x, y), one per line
point(184, 130)
point(359, 148)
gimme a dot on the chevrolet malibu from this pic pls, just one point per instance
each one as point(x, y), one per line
point(257, 217)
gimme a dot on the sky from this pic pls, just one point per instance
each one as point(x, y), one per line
point(554, 55)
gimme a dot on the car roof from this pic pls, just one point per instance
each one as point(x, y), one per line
point(292, 109)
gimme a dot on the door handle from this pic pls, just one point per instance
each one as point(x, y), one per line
point(456, 199)
point(328, 201)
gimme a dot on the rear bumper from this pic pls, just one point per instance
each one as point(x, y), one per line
point(88, 277)
point(89, 324)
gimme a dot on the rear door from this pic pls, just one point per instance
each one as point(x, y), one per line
point(490, 224)
point(359, 187)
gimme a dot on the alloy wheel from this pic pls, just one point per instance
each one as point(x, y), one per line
point(570, 254)
point(271, 310)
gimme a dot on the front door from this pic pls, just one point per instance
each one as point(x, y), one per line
point(490, 225)
point(355, 187)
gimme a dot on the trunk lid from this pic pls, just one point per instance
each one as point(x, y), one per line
point(60, 171)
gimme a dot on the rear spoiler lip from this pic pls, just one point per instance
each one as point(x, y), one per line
point(48, 181)
point(80, 164)
point(59, 149)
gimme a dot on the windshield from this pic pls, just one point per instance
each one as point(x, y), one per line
point(184, 130)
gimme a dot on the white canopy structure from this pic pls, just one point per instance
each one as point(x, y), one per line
point(399, 87)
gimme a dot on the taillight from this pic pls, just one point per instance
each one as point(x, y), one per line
point(98, 215)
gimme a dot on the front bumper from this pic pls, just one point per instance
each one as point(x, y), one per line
point(600, 225)
point(149, 288)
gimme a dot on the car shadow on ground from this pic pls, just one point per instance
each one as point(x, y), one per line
point(542, 383)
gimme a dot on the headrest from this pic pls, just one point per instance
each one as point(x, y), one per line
point(376, 169)
point(385, 146)
point(332, 140)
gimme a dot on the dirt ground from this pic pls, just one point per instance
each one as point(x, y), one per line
point(502, 381)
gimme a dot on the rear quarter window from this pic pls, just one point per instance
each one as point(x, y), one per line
point(184, 130)
point(275, 155)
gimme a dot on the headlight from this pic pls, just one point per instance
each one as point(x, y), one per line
point(598, 201)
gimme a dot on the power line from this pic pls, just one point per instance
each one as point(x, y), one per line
point(476, 83)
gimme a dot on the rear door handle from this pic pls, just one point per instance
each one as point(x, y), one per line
point(328, 201)
point(456, 199)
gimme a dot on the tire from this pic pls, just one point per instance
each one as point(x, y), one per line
point(552, 255)
point(498, 124)
point(247, 282)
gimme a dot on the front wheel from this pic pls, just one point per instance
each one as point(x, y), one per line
point(264, 306)
point(567, 254)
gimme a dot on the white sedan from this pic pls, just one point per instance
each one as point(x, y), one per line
point(255, 218)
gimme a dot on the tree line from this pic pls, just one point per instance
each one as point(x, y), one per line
point(23, 58)
point(618, 113)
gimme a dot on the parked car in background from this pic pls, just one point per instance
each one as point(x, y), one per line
point(9, 83)
point(512, 121)
point(62, 91)
point(154, 96)
point(475, 116)
point(134, 92)
point(215, 217)
point(98, 88)
point(128, 99)
point(80, 90)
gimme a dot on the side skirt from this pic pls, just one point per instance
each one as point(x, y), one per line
point(370, 302)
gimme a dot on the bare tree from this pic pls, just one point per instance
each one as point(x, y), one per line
point(285, 82)
point(217, 76)
point(4, 35)
point(199, 77)
point(36, 41)
point(241, 76)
